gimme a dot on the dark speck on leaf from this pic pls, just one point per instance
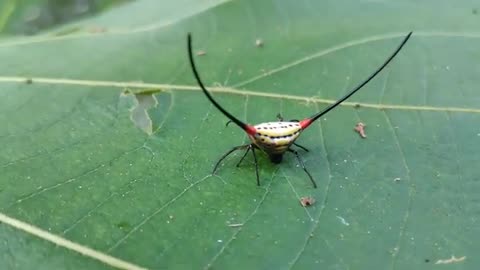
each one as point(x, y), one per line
point(29, 81)
point(124, 225)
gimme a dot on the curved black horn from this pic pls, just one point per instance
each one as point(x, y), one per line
point(306, 122)
point(247, 128)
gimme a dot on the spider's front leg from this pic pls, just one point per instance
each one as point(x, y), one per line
point(303, 166)
point(240, 147)
point(303, 147)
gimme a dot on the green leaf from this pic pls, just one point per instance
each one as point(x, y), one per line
point(75, 166)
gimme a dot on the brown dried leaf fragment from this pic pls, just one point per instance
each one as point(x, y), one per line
point(307, 201)
point(360, 128)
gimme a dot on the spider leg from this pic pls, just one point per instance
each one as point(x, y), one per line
point(303, 166)
point(228, 153)
point(256, 163)
point(303, 147)
point(280, 117)
point(244, 155)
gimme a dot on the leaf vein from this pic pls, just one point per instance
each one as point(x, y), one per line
point(411, 192)
point(236, 92)
point(84, 250)
point(156, 212)
point(72, 179)
point(324, 203)
point(234, 235)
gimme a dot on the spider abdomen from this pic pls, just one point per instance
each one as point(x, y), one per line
point(276, 137)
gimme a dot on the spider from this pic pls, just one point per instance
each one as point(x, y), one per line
point(277, 138)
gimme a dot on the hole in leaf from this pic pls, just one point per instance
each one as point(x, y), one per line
point(145, 100)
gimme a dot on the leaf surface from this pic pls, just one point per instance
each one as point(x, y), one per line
point(75, 165)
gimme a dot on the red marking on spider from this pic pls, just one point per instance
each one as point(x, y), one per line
point(305, 123)
point(251, 130)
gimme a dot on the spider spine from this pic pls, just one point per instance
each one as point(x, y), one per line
point(308, 121)
point(249, 129)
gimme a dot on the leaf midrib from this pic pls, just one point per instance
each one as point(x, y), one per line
point(158, 87)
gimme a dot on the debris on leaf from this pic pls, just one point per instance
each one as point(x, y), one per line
point(397, 179)
point(259, 43)
point(360, 128)
point(307, 201)
point(344, 222)
point(201, 53)
point(453, 259)
point(29, 81)
point(235, 225)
